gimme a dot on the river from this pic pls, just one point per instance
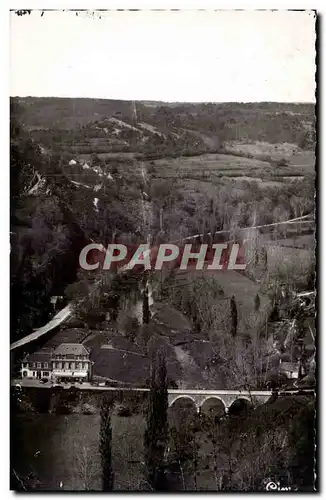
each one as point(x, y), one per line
point(57, 449)
point(62, 451)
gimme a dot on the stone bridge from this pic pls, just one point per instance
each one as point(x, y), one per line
point(227, 398)
point(198, 397)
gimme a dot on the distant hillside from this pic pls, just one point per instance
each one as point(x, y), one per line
point(67, 113)
point(101, 125)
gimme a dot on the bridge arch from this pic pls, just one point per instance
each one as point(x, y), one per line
point(204, 406)
point(240, 403)
point(242, 398)
point(184, 397)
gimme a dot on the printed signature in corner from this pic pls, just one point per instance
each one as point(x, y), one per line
point(276, 486)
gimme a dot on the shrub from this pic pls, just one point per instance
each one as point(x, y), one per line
point(172, 384)
point(122, 410)
point(283, 162)
point(129, 325)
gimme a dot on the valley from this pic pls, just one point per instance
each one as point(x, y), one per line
point(102, 171)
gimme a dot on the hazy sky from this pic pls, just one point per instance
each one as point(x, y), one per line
point(171, 56)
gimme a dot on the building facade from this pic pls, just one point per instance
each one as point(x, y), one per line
point(37, 365)
point(71, 362)
point(67, 362)
point(291, 370)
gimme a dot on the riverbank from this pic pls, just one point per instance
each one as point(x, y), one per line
point(69, 400)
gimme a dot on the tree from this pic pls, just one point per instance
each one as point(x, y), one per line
point(105, 447)
point(264, 259)
point(234, 317)
point(156, 435)
point(302, 439)
point(240, 362)
point(311, 276)
point(129, 325)
point(93, 298)
point(146, 311)
point(197, 298)
point(183, 450)
point(257, 302)
point(86, 468)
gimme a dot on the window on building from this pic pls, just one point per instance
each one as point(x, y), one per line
point(39, 365)
point(80, 366)
point(34, 364)
point(33, 374)
point(45, 374)
point(25, 365)
point(85, 366)
point(72, 366)
point(46, 365)
point(66, 366)
point(60, 365)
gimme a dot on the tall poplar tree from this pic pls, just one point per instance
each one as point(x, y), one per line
point(234, 317)
point(105, 447)
point(156, 435)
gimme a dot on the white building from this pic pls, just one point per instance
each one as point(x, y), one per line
point(71, 361)
point(291, 370)
point(37, 365)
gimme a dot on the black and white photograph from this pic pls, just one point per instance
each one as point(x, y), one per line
point(163, 251)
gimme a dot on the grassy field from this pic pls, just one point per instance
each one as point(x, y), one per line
point(210, 166)
point(215, 166)
point(227, 180)
point(303, 241)
point(234, 283)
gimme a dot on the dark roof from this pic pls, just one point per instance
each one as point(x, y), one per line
point(120, 366)
point(119, 342)
point(290, 385)
point(286, 357)
point(38, 356)
point(75, 349)
point(306, 382)
point(67, 336)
